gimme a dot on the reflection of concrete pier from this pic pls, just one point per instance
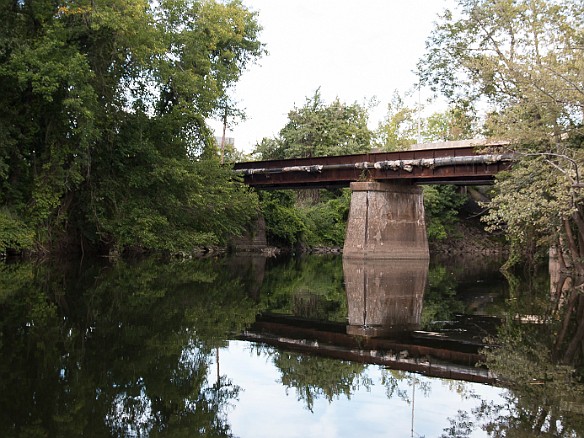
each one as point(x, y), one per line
point(384, 296)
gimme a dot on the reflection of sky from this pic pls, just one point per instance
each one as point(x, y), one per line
point(265, 410)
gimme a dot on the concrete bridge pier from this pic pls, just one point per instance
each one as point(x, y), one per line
point(386, 221)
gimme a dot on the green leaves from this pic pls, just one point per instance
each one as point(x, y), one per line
point(175, 205)
point(102, 119)
point(398, 129)
point(327, 220)
point(524, 59)
point(284, 222)
point(533, 201)
point(210, 44)
point(441, 205)
point(318, 129)
point(14, 234)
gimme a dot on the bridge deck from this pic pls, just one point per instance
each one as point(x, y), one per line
point(427, 166)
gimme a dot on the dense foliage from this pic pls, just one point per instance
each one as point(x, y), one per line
point(103, 139)
point(285, 224)
point(319, 129)
point(313, 218)
point(291, 221)
point(441, 206)
point(524, 60)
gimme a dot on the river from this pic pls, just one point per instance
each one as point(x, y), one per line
point(249, 346)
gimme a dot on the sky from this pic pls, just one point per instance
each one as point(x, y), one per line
point(266, 408)
point(356, 51)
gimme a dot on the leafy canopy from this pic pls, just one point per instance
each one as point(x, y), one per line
point(102, 119)
point(318, 129)
point(524, 60)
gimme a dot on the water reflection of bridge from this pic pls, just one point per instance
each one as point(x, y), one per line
point(431, 354)
point(385, 300)
point(384, 297)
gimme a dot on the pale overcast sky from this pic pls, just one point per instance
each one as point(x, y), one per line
point(353, 50)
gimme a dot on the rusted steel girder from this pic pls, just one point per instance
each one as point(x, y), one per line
point(457, 166)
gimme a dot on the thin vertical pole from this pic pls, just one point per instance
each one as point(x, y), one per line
point(217, 357)
point(419, 115)
point(413, 404)
point(223, 136)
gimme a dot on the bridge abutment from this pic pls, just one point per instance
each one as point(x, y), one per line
point(386, 221)
point(254, 240)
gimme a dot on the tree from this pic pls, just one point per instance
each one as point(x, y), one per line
point(229, 114)
point(403, 127)
point(102, 120)
point(456, 123)
point(284, 223)
point(441, 205)
point(318, 129)
point(524, 59)
point(399, 128)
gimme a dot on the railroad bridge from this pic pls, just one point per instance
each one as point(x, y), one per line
point(386, 218)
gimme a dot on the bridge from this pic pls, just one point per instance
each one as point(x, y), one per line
point(386, 219)
point(434, 165)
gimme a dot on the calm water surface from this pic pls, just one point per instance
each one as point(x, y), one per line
point(254, 347)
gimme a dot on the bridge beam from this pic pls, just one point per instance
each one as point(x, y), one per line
point(386, 221)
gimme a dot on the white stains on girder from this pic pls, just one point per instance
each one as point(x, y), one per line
point(394, 165)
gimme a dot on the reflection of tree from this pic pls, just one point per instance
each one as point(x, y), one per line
point(568, 345)
point(392, 379)
point(535, 358)
point(409, 386)
point(118, 350)
point(313, 377)
point(310, 287)
point(440, 300)
point(461, 426)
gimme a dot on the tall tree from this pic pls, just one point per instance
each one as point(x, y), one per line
point(102, 120)
point(399, 128)
point(524, 59)
point(319, 129)
point(456, 123)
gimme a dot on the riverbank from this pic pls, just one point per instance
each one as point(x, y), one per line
point(469, 237)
